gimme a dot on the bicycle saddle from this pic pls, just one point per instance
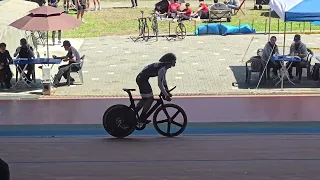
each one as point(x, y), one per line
point(127, 89)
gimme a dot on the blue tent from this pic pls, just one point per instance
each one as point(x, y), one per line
point(297, 10)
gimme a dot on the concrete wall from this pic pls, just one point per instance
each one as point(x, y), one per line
point(198, 109)
point(12, 10)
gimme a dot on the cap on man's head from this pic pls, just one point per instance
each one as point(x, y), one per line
point(66, 43)
point(297, 37)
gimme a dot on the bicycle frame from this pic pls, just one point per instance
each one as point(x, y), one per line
point(159, 102)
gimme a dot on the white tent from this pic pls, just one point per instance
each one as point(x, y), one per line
point(283, 6)
point(297, 10)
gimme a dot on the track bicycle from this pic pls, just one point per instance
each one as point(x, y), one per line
point(120, 120)
point(154, 25)
point(154, 21)
point(181, 30)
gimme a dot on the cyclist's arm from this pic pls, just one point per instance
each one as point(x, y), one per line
point(31, 51)
point(17, 52)
point(162, 83)
point(9, 58)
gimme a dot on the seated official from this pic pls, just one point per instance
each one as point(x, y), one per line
point(269, 50)
point(5, 60)
point(25, 51)
point(297, 49)
point(71, 57)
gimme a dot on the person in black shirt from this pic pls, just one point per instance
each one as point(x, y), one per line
point(81, 8)
point(25, 51)
point(5, 60)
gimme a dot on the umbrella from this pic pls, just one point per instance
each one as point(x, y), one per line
point(46, 10)
point(46, 18)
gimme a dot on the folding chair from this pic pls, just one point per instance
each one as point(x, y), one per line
point(77, 70)
point(236, 10)
point(33, 74)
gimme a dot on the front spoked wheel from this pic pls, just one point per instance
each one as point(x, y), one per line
point(119, 121)
point(170, 120)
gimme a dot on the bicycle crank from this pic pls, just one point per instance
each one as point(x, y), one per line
point(140, 126)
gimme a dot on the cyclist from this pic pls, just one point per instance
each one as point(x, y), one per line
point(152, 70)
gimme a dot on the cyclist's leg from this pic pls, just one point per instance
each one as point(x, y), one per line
point(140, 105)
point(140, 85)
point(147, 99)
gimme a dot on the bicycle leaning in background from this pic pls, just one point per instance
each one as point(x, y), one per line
point(180, 30)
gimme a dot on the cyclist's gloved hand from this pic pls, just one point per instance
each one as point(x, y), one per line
point(170, 95)
point(167, 98)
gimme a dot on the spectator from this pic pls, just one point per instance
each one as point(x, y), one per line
point(297, 49)
point(4, 170)
point(95, 2)
point(81, 9)
point(134, 3)
point(203, 11)
point(161, 7)
point(54, 3)
point(233, 4)
point(269, 50)
point(5, 60)
point(218, 6)
point(25, 51)
point(71, 57)
point(66, 5)
point(187, 12)
point(173, 9)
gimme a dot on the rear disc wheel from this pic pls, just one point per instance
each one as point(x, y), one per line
point(119, 121)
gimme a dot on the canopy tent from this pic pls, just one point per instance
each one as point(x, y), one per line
point(296, 10)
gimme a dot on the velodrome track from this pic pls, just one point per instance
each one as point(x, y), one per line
point(221, 157)
point(253, 147)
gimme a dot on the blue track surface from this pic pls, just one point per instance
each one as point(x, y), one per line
point(192, 129)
